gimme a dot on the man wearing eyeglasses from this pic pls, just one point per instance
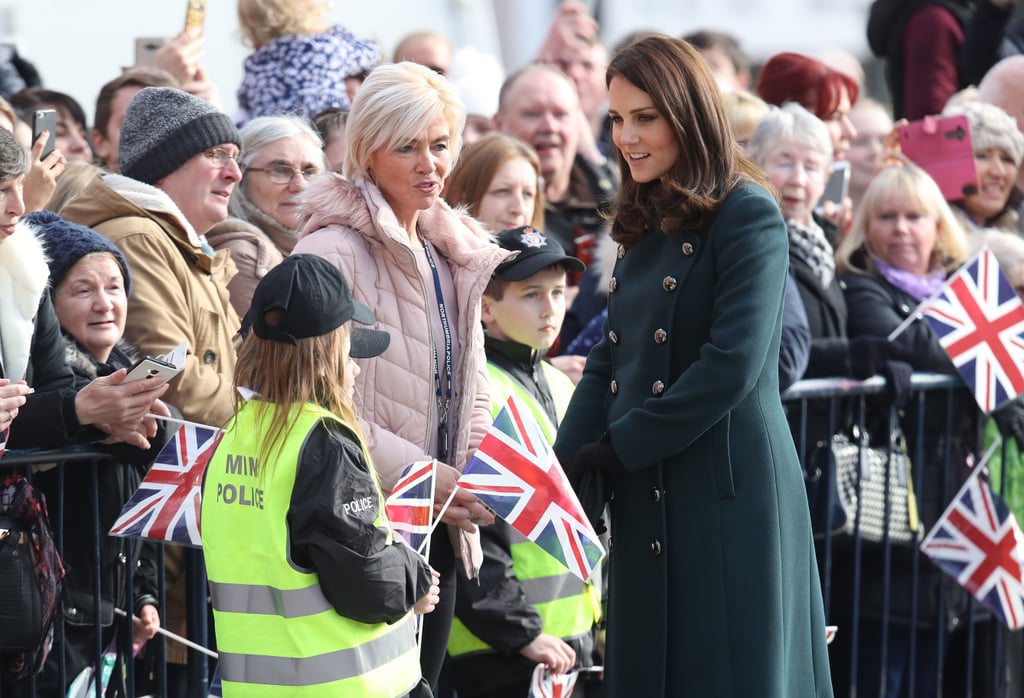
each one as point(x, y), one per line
point(178, 158)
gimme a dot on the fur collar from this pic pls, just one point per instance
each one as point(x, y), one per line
point(85, 366)
point(24, 276)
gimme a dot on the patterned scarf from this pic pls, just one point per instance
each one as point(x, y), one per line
point(811, 246)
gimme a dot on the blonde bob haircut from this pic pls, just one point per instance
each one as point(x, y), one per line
point(471, 180)
point(313, 370)
point(908, 184)
point(394, 106)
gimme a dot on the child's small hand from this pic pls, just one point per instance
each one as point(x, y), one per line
point(433, 596)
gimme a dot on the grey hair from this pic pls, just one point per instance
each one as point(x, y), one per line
point(14, 159)
point(266, 129)
point(789, 122)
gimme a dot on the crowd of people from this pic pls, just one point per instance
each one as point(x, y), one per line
point(374, 253)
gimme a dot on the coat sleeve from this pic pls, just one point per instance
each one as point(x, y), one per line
point(160, 316)
point(750, 249)
point(53, 403)
point(795, 349)
point(494, 607)
point(873, 312)
point(331, 521)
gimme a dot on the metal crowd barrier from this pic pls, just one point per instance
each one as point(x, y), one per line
point(970, 654)
point(190, 681)
point(977, 647)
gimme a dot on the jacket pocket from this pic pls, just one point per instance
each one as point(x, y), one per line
point(722, 459)
point(208, 333)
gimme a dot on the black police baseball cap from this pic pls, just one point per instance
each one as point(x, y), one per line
point(316, 300)
point(536, 251)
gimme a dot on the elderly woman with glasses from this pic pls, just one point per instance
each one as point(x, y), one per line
point(279, 154)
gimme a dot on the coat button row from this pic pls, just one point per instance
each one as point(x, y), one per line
point(669, 283)
point(660, 336)
point(658, 388)
point(656, 546)
point(614, 387)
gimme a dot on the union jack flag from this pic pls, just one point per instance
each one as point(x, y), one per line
point(166, 506)
point(977, 542)
point(515, 473)
point(980, 323)
point(546, 684)
point(410, 506)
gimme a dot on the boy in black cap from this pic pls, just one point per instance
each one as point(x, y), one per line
point(291, 504)
point(509, 622)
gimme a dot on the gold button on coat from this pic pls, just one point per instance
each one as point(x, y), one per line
point(612, 285)
point(614, 387)
point(687, 248)
point(612, 337)
point(660, 336)
point(656, 546)
point(658, 388)
point(656, 494)
point(621, 252)
point(669, 283)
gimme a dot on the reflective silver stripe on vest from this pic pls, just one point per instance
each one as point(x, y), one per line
point(265, 600)
point(553, 588)
point(323, 668)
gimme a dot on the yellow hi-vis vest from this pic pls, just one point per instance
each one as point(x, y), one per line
point(277, 635)
point(568, 607)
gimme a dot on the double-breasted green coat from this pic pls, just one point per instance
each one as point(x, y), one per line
point(714, 589)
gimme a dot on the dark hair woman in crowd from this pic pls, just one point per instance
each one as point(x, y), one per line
point(713, 584)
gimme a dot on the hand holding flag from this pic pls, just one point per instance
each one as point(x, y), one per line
point(515, 473)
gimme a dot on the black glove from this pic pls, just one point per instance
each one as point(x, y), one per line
point(1010, 420)
point(868, 355)
point(597, 455)
point(897, 380)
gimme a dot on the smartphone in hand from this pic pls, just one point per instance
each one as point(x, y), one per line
point(151, 369)
point(838, 185)
point(195, 16)
point(45, 120)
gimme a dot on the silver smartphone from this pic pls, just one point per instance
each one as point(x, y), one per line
point(154, 370)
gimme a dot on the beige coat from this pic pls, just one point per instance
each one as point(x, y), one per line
point(178, 292)
point(352, 226)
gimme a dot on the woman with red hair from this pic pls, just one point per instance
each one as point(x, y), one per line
point(821, 90)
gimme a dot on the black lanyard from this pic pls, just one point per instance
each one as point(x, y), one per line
point(444, 398)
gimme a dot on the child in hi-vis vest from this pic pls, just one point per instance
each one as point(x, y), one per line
point(312, 595)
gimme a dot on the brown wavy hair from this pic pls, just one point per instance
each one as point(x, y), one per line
point(710, 164)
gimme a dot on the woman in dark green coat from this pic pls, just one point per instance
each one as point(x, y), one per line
point(713, 583)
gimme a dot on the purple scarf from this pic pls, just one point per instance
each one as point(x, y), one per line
point(919, 287)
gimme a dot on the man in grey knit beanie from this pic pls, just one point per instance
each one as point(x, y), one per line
point(164, 127)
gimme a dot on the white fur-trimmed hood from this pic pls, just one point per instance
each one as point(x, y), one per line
point(24, 276)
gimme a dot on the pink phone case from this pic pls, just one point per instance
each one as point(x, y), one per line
point(941, 146)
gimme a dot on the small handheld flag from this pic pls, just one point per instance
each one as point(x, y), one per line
point(980, 323)
point(546, 684)
point(977, 542)
point(410, 506)
point(167, 504)
point(515, 473)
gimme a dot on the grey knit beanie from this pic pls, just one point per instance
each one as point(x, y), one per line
point(164, 127)
point(991, 127)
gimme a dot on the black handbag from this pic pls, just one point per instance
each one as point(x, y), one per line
point(21, 621)
point(849, 470)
